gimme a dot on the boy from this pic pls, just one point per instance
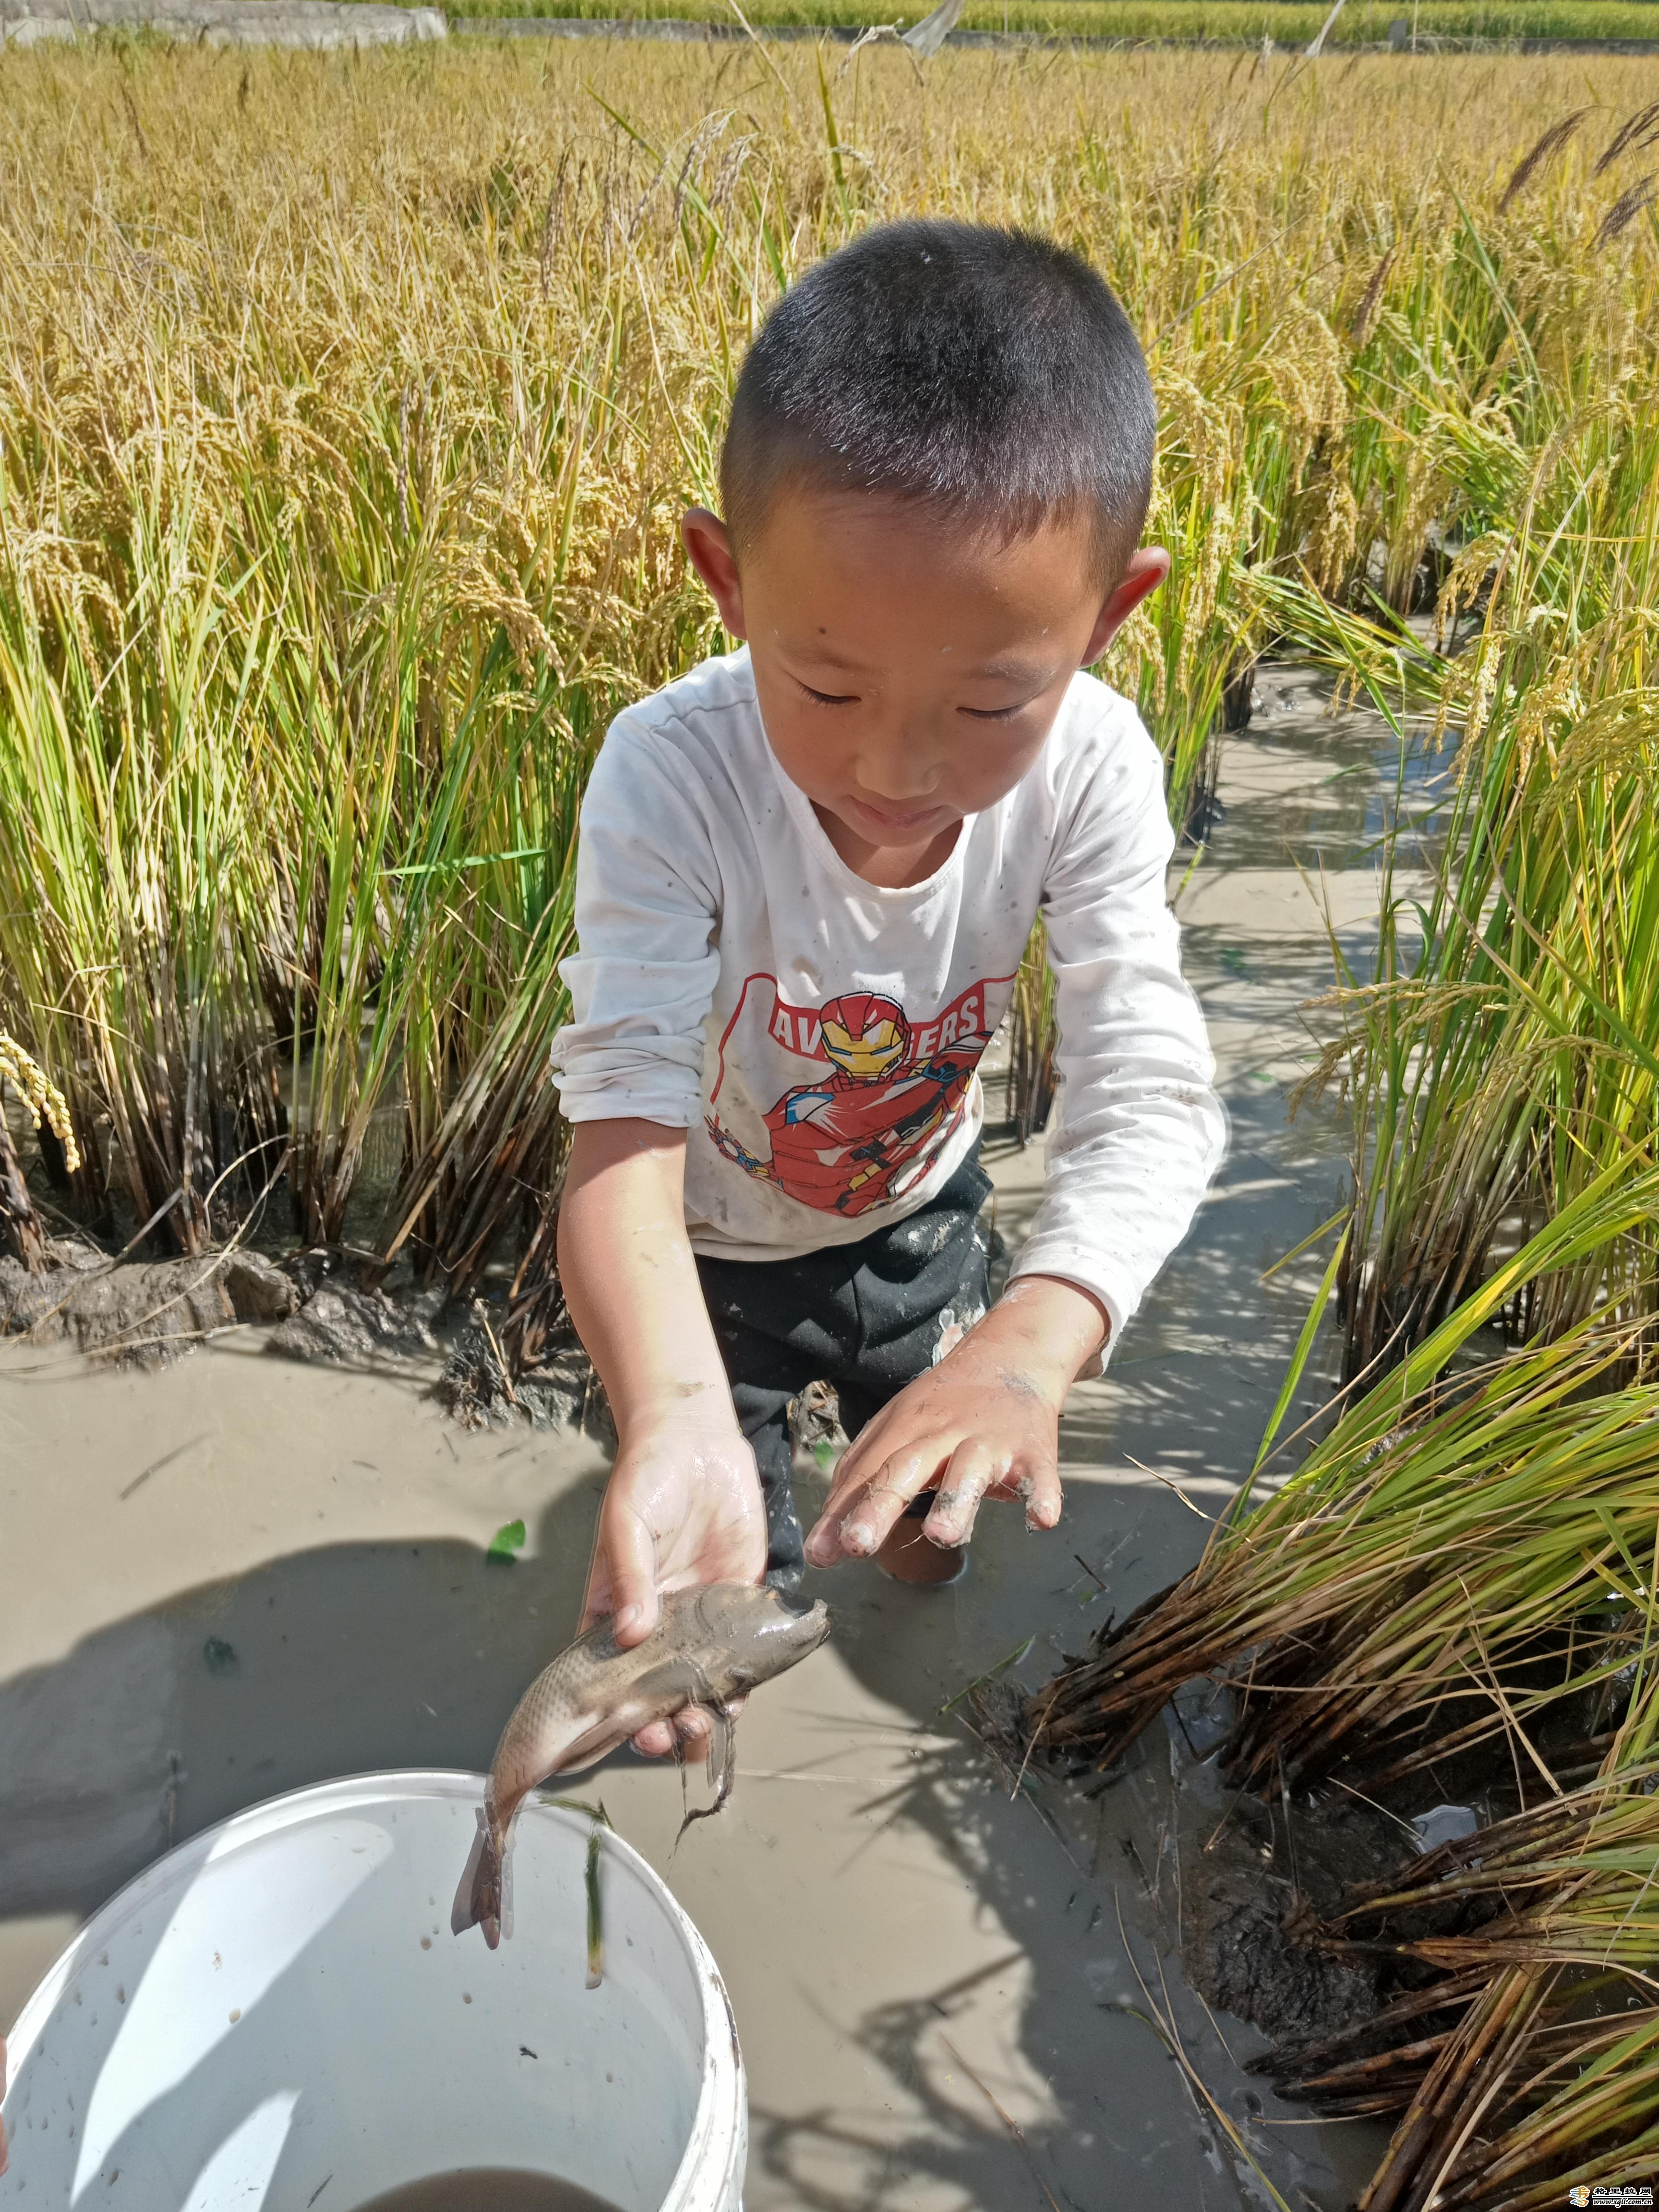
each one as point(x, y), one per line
point(807, 874)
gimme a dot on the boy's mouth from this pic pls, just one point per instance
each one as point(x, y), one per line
point(895, 819)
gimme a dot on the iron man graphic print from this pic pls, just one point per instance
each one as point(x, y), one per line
point(880, 1094)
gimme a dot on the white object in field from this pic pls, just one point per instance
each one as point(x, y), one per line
point(1444, 1824)
point(927, 36)
point(276, 2014)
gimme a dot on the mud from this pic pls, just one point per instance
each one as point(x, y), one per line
point(146, 1313)
point(244, 1573)
point(345, 1327)
point(560, 1391)
point(1259, 1880)
point(1264, 1880)
point(141, 1313)
point(1271, 1874)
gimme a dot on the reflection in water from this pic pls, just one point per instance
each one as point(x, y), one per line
point(488, 2189)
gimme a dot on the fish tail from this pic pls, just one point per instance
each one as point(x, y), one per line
point(487, 1886)
point(481, 1899)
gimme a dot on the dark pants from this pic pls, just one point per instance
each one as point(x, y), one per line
point(867, 1317)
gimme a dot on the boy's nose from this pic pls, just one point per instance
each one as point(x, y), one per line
point(897, 802)
point(900, 778)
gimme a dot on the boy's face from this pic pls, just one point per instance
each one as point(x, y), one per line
point(908, 670)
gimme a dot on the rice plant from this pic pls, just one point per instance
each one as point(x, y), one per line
point(1505, 1051)
point(1461, 1550)
point(347, 409)
point(1465, 1559)
point(1468, 1559)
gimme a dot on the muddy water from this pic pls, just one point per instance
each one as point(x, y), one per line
point(240, 1575)
point(488, 2189)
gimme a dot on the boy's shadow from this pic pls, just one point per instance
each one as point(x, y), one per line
point(1045, 1864)
point(1086, 1886)
point(344, 1660)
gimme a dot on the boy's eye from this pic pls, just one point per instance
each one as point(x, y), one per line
point(994, 713)
point(829, 698)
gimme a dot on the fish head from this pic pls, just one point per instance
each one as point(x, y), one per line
point(762, 1631)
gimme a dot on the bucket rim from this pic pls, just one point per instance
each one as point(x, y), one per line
point(710, 2170)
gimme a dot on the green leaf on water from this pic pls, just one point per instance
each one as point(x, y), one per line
point(506, 1540)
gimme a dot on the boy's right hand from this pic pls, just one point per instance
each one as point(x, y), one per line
point(684, 1503)
point(682, 1506)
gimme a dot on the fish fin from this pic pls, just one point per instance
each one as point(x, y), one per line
point(478, 1898)
point(723, 1756)
point(726, 1746)
point(597, 1742)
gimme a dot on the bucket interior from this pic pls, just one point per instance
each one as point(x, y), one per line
point(277, 2017)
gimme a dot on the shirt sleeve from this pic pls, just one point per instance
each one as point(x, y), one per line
point(1141, 1130)
point(642, 978)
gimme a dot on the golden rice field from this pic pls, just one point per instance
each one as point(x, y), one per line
point(347, 409)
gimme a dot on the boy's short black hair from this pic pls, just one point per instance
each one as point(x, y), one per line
point(985, 374)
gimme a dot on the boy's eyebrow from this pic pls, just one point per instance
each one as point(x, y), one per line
point(1013, 671)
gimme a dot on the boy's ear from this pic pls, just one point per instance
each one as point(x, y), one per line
point(709, 547)
point(1147, 570)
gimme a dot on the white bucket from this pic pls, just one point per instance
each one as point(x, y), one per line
point(276, 2016)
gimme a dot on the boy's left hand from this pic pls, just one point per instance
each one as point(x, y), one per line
point(984, 1422)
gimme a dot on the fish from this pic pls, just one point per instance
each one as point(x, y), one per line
point(711, 1644)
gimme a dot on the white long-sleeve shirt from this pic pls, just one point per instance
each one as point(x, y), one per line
point(819, 1035)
